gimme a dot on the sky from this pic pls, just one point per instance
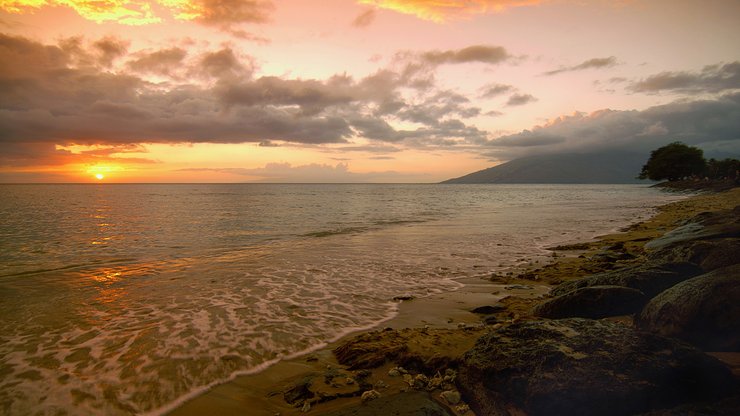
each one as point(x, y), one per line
point(355, 90)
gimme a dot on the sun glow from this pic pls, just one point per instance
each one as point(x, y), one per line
point(100, 172)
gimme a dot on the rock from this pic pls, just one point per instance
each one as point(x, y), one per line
point(420, 382)
point(401, 298)
point(424, 350)
point(370, 350)
point(393, 372)
point(593, 302)
point(462, 409)
point(369, 395)
point(708, 254)
point(704, 311)
point(490, 320)
point(451, 397)
point(585, 367)
point(707, 225)
point(306, 407)
point(435, 382)
point(489, 309)
point(413, 403)
point(518, 287)
point(299, 391)
point(649, 278)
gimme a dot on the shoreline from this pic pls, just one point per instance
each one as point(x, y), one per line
point(448, 316)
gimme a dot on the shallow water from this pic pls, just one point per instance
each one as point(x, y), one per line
point(120, 299)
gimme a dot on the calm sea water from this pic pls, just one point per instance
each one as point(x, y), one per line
point(124, 299)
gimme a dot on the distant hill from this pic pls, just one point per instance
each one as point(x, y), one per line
point(607, 167)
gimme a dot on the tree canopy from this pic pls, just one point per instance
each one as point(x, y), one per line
point(673, 162)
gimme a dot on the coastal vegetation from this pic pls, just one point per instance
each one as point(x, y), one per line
point(677, 161)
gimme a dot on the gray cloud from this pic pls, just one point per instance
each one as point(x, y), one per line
point(520, 99)
point(711, 79)
point(224, 63)
point(494, 90)
point(368, 149)
point(230, 15)
point(477, 53)
point(589, 64)
point(161, 62)
point(109, 49)
point(713, 125)
point(50, 95)
point(365, 18)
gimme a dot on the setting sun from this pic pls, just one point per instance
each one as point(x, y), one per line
point(99, 176)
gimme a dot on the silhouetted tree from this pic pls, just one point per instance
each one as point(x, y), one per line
point(723, 169)
point(673, 162)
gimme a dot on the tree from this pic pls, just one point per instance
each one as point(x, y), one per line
point(673, 162)
point(723, 169)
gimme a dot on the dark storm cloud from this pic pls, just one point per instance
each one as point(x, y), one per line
point(520, 99)
point(711, 79)
point(589, 64)
point(714, 125)
point(53, 94)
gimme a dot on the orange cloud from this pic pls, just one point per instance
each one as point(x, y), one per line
point(128, 12)
point(442, 10)
point(220, 13)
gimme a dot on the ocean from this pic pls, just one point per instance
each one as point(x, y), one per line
point(128, 299)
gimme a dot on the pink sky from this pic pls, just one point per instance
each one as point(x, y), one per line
point(354, 91)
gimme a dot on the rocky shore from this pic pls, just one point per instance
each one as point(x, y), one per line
point(646, 321)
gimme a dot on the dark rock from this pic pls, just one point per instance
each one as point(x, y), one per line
point(370, 350)
point(593, 302)
point(649, 278)
point(299, 391)
point(585, 367)
point(518, 287)
point(704, 226)
point(400, 298)
point(414, 403)
point(704, 310)
point(422, 349)
point(708, 254)
point(570, 247)
point(490, 320)
point(489, 309)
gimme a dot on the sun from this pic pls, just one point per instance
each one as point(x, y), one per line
point(99, 176)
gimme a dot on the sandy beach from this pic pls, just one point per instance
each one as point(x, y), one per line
point(436, 331)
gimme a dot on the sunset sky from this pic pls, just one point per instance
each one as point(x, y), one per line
point(354, 90)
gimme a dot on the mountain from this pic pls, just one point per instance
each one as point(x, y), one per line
point(605, 167)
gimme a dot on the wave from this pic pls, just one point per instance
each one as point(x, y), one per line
point(356, 230)
point(337, 231)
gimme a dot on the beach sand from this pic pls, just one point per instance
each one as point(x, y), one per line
point(439, 329)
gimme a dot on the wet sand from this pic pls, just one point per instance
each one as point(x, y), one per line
point(443, 326)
